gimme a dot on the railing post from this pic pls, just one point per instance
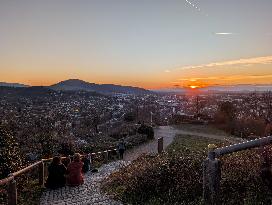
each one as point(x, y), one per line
point(92, 159)
point(160, 145)
point(41, 173)
point(109, 154)
point(114, 154)
point(105, 156)
point(12, 192)
point(45, 170)
point(99, 154)
point(211, 178)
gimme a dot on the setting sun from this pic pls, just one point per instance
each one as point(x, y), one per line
point(194, 86)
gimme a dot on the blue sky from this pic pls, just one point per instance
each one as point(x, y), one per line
point(142, 43)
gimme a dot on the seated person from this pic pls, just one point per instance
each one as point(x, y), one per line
point(86, 163)
point(74, 171)
point(56, 174)
point(121, 148)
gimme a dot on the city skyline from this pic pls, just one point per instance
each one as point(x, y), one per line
point(178, 43)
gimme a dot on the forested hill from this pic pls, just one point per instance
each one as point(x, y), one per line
point(75, 84)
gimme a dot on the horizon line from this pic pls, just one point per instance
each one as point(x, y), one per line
point(147, 88)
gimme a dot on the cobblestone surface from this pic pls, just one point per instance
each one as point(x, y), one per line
point(88, 193)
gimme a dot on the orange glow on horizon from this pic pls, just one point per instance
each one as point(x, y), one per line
point(194, 86)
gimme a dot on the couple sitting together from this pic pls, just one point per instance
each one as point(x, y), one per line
point(59, 175)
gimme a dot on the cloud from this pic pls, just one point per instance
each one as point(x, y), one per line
point(197, 79)
point(242, 62)
point(227, 78)
point(167, 71)
point(224, 80)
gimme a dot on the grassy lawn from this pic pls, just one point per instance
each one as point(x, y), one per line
point(207, 129)
point(191, 143)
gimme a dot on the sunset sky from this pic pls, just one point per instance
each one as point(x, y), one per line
point(145, 43)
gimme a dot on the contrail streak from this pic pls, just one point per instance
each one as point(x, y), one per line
point(193, 5)
point(224, 33)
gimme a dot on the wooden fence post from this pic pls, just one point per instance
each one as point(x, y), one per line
point(92, 159)
point(105, 153)
point(99, 154)
point(109, 154)
point(211, 179)
point(116, 153)
point(160, 145)
point(12, 192)
point(45, 170)
point(206, 189)
point(41, 174)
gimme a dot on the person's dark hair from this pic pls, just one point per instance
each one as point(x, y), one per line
point(66, 161)
point(56, 160)
point(76, 157)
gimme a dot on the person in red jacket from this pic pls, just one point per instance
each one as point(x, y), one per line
point(74, 171)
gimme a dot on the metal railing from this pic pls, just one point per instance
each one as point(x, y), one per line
point(11, 183)
point(212, 167)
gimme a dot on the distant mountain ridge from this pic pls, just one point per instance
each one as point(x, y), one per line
point(76, 84)
point(15, 85)
point(80, 85)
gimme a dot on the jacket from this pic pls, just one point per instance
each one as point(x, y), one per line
point(75, 177)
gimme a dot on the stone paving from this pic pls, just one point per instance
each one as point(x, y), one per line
point(88, 193)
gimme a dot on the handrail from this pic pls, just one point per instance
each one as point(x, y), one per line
point(15, 174)
point(6, 180)
point(212, 167)
point(30, 167)
point(240, 146)
point(11, 182)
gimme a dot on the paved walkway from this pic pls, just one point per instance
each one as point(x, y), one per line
point(168, 133)
point(90, 192)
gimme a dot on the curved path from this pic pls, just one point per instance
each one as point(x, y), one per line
point(90, 192)
point(168, 133)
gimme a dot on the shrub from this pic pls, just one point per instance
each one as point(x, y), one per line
point(130, 117)
point(134, 140)
point(10, 157)
point(166, 179)
point(146, 130)
point(176, 177)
